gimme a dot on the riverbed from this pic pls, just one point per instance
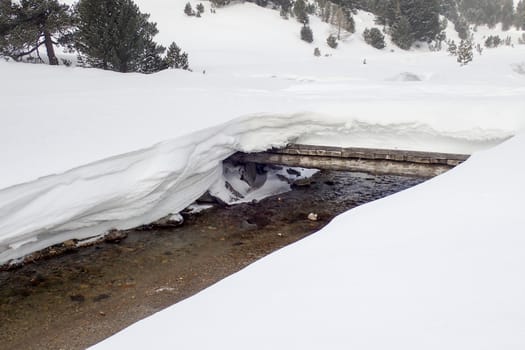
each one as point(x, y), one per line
point(84, 295)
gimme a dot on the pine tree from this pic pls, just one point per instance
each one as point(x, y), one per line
point(188, 10)
point(114, 34)
point(175, 58)
point(286, 5)
point(521, 40)
point(520, 15)
point(386, 12)
point(402, 33)
point(461, 26)
point(423, 17)
point(152, 61)
point(200, 8)
point(30, 24)
point(299, 10)
point(507, 14)
point(465, 53)
point(8, 22)
point(220, 3)
point(449, 9)
point(331, 41)
point(488, 12)
point(307, 34)
point(479, 49)
point(374, 38)
point(452, 48)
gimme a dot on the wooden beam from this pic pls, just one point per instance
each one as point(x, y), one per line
point(376, 161)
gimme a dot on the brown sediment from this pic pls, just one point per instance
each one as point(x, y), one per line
point(86, 294)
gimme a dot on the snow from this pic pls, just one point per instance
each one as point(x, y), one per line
point(438, 266)
point(66, 132)
point(232, 187)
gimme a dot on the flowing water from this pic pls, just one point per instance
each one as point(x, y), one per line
point(78, 298)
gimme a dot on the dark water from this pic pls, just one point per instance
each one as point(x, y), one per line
point(77, 299)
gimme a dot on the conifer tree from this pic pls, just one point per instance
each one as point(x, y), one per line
point(220, 3)
point(423, 16)
point(452, 48)
point(188, 10)
point(175, 58)
point(402, 33)
point(200, 8)
point(520, 15)
point(374, 38)
point(331, 41)
point(286, 5)
point(151, 61)
point(386, 11)
point(7, 24)
point(299, 10)
point(461, 26)
point(465, 53)
point(507, 14)
point(307, 34)
point(30, 24)
point(115, 35)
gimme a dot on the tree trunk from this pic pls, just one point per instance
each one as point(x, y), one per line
point(53, 60)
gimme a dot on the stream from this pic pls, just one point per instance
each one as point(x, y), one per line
point(84, 295)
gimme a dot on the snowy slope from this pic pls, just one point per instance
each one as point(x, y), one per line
point(441, 269)
point(84, 151)
point(55, 118)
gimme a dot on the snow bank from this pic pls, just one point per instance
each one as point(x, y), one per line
point(140, 187)
point(135, 188)
point(438, 266)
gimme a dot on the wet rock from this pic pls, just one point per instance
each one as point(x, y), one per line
point(77, 298)
point(246, 225)
point(172, 220)
point(313, 217)
point(302, 183)
point(115, 236)
point(260, 221)
point(36, 280)
point(70, 244)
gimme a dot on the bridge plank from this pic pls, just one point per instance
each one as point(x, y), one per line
point(376, 161)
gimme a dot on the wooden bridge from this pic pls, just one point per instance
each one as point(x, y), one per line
point(368, 160)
